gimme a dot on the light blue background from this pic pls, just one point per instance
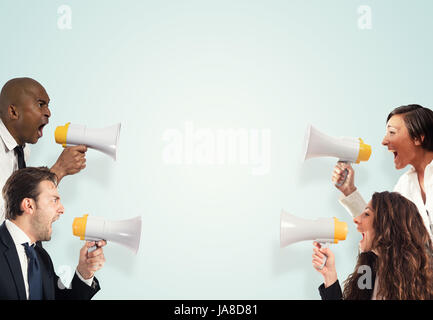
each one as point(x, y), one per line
point(212, 232)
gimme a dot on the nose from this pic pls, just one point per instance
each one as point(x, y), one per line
point(61, 209)
point(47, 112)
point(356, 220)
point(385, 141)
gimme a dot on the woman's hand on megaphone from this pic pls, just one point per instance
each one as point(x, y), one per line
point(90, 262)
point(71, 161)
point(348, 187)
point(328, 271)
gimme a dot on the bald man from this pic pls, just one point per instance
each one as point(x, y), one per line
point(24, 112)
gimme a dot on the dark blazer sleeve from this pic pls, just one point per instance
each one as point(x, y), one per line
point(333, 292)
point(54, 289)
point(78, 290)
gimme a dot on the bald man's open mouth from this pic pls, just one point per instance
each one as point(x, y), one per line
point(41, 130)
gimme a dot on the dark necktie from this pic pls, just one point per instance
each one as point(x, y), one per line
point(20, 155)
point(34, 276)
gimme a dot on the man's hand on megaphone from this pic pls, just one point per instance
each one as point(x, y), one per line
point(90, 262)
point(71, 161)
point(348, 187)
point(328, 271)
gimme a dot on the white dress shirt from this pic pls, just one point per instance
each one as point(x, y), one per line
point(8, 160)
point(19, 237)
point(408, 186)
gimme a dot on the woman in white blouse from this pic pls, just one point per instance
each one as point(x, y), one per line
point(409, 136)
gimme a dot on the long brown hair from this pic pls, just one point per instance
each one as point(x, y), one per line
point(404, 261)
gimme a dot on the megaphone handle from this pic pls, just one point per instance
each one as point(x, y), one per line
point(94, 247)
point(345, 173)
point(324, 245)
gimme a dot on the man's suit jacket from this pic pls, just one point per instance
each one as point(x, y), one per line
point(12, 282)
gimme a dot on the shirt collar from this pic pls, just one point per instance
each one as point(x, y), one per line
point(18, 236)
point(429, 167)
point(7, 138)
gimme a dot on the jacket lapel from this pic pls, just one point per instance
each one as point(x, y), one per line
point(11, 256)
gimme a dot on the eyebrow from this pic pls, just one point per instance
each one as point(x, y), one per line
point(390, 126)
point(54, 196)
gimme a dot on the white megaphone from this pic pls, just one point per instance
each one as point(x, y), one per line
point(124, 232)
point(104, 140)
point(318, 144)
point(323, 230)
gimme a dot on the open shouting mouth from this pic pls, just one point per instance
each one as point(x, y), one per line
point(40, 130)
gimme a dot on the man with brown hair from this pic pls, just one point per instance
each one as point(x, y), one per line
point(24, 113)
point(26, 270)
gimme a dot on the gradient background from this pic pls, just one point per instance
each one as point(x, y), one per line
point(212, 232)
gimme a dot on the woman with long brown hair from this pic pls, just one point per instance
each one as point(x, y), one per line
point(396, 254)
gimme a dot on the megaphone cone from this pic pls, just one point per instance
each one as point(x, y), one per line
point(124, 232)
point(318, 144)
point(105, 140)
point(325, 230)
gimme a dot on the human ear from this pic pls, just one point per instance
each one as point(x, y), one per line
point(28, 205)
point(419, 141)
point(13, 112)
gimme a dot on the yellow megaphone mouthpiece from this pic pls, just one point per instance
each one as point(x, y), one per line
point(340, 230)
point(61, 133)
point(364, 151)
point(79, 227)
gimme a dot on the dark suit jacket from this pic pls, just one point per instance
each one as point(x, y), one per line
point(333, 292)
point(12, 282)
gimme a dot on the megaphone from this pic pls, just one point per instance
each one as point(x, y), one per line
point(318, 144)
point(124, 232)
point(104, 140)
point(323, 230)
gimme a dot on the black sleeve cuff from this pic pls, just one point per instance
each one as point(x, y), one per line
point(333, 292)
point(78, 290)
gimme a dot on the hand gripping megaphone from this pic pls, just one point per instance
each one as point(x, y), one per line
point(104, 140)
point(124, 232)
point(318, 144)
point(323, 230)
